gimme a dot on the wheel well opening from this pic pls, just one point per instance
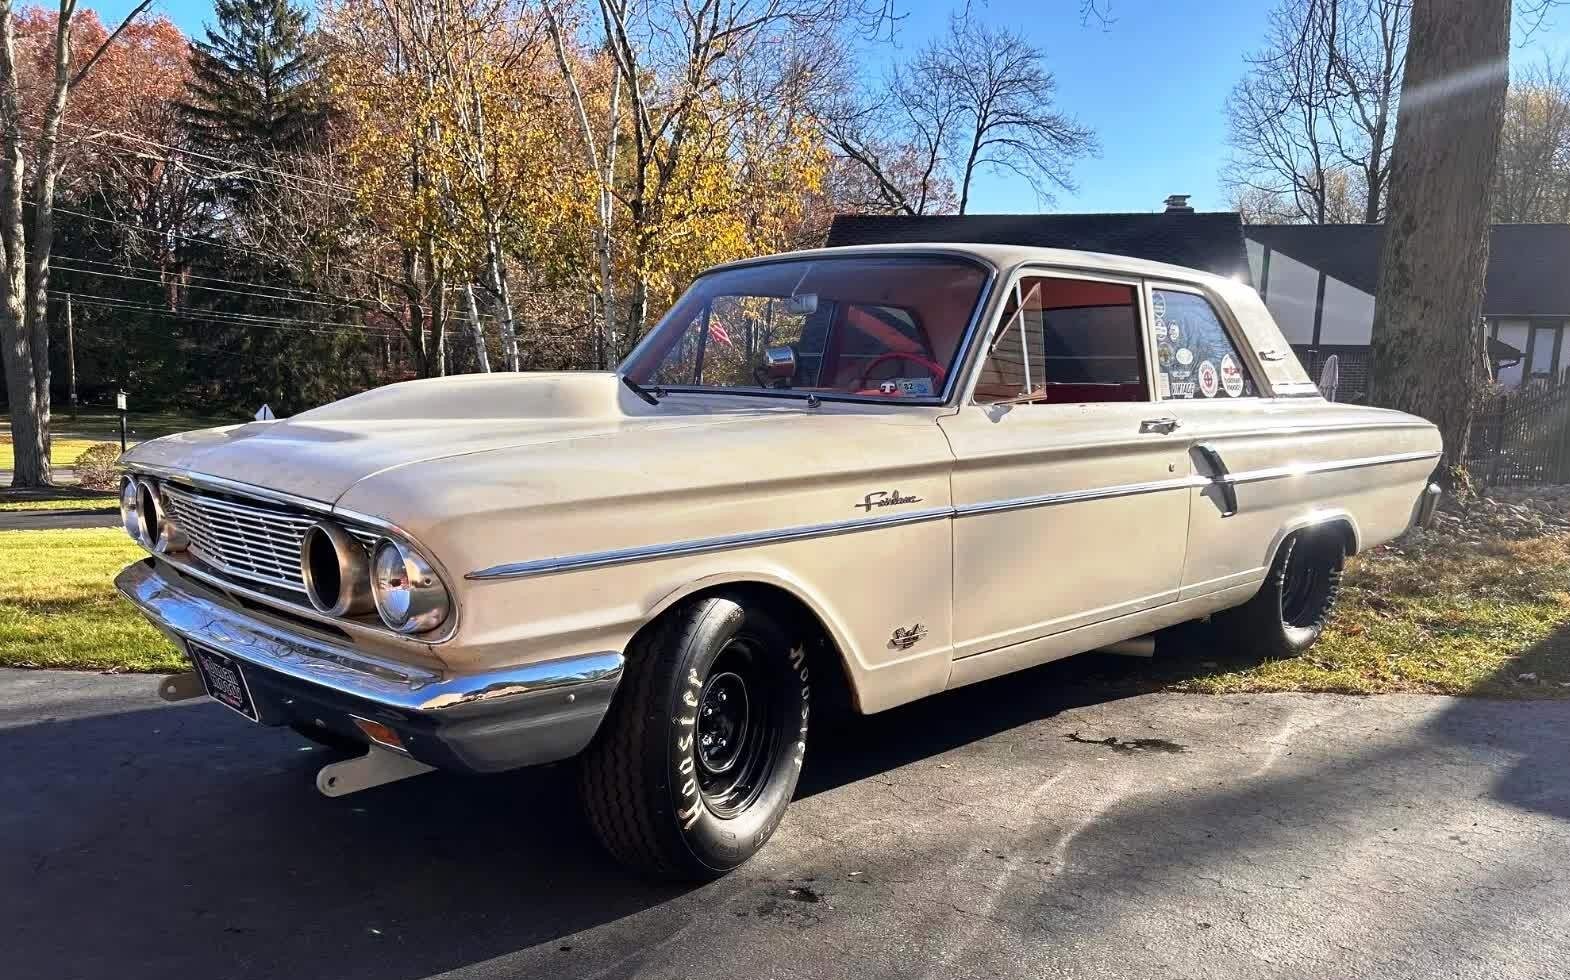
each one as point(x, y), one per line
point(832, 689)
point(1343, 528)
point(1337, 526)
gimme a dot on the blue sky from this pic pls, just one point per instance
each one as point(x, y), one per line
point(1151, 84)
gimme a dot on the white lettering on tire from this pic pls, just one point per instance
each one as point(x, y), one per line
point(689, 788)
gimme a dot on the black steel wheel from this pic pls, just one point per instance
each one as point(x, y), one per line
point(697, 759)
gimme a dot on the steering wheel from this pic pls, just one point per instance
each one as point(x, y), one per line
point(897, 355)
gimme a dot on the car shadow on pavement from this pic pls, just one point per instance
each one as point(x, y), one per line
point(177, 841)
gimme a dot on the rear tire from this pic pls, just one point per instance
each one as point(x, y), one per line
point(698, 757)
point(1289, 612)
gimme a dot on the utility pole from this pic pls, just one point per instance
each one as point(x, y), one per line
point(70, 352)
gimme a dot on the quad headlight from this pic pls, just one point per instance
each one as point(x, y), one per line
point(146, 519)
point(408, 593)
point(131, 508)
point(336, 572)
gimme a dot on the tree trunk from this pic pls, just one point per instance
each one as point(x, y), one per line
point(16, 341)
point(473, 309)
point(503, 293)
point(45, 171)
point(1427, 332)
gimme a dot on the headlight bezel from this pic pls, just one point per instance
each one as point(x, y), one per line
point(145, 517)
point(130, 508)
point(349, 569)
point(409, 594)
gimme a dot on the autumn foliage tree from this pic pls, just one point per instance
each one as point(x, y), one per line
point(42, 59)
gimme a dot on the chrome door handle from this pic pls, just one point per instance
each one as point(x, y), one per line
point(1163, 426)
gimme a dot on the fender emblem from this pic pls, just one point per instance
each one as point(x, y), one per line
point(906, 637)
point(885, 498)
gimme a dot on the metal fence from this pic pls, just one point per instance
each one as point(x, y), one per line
point(1522, 435)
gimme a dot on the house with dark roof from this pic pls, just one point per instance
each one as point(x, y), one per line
point(1318, 280)
point(1212, 241)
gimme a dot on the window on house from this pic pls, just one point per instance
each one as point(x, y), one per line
point(1545, 348)
point(1194, 356)
point(1066, 341)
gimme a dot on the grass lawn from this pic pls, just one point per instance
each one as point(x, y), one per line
point(98, 503)
point(73, 436)
point(58, 608)
point(1446, 619)
point(62, 452)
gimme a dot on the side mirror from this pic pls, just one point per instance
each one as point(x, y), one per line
point(779, 363)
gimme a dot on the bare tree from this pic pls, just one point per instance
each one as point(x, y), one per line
point(1313, 121)
point(1426, 338)
point(977, 99)
point(1532, 179)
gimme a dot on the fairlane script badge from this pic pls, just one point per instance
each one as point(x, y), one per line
point(906, 637)
point(885, 498)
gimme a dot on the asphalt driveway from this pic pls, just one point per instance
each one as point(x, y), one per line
point(989, 833)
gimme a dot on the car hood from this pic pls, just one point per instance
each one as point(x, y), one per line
point(320, 454)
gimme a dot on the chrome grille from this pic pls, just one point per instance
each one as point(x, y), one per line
point(258, 543)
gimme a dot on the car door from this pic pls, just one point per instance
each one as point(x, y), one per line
point(1070, 486)
point(1208, 381)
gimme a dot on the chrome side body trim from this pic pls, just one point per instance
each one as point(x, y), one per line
point(1077, 496)
point(697, 546)
point(496, 719)
point(1304, 469)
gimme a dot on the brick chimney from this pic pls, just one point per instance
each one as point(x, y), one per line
point(1178, 204)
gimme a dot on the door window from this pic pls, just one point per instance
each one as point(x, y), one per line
point(1194, 356)
point(1065, 341)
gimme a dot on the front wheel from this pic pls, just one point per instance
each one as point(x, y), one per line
point(1289, 612)
point(699, 754)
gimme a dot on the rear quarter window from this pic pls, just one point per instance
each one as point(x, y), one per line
point(1195, 358)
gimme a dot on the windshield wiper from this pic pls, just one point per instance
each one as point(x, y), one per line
point(640, 390)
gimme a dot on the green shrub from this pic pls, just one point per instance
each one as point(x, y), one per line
point(95, 468)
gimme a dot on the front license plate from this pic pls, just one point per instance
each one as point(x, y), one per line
point(224, 680)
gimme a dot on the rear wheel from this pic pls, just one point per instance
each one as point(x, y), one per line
point(698, 757)
point(1290, 610)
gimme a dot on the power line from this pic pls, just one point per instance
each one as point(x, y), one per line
point(97, 133)
point(178, 278)
point(228, 318)
point(216, 289)
point(267, 255)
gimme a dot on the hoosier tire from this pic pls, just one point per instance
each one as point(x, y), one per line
point(698, 757)
point(1289, 612)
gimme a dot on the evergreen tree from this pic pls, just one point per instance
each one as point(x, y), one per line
point(254, 91)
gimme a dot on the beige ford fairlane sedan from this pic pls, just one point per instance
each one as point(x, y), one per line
point(851, 476)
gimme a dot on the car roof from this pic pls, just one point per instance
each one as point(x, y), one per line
point(1004, 258)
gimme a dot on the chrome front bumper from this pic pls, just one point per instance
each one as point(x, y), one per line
point(481, 722)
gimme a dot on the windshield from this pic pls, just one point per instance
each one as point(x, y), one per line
point(877, 326)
